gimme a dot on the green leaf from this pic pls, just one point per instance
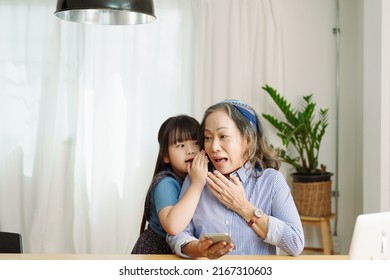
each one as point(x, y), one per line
point(301, 128)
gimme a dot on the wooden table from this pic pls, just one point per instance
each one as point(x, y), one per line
point(159, 257)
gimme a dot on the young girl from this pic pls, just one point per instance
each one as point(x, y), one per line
point(179, 155)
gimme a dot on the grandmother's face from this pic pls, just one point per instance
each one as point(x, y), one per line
point(224, 143)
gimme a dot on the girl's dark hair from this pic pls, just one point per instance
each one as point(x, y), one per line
point(174, 129)
point(259, 151)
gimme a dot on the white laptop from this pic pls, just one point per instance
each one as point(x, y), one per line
point(371, 237)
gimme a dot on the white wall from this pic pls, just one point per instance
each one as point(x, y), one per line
point(363, 121)
point(310, 60)
point(310, 55)
point(376, 88)
point(350, 120)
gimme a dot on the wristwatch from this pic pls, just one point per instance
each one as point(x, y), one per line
point(257, 214)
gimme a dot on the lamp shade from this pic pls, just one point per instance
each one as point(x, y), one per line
point(109, 12)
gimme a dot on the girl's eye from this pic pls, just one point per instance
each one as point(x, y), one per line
point(180, 145)
point(196, 143)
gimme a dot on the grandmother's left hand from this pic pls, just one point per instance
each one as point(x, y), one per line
point(230, 193)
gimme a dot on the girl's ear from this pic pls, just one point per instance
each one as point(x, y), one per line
point(166, 158)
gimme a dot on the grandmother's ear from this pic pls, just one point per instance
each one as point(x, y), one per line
point(248, 140)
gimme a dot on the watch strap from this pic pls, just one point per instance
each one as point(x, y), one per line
point(255, 217)
point(252, 221)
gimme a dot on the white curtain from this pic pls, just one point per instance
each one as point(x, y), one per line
point(80, 107)
point(238, 49)
point(80, 110)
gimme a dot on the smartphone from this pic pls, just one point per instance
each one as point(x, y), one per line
point(217, 237)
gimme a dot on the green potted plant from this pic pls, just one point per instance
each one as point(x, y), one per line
point(301, 132)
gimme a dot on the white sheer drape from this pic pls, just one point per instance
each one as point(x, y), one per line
point(80, 110)
point(80, 107)
point(238, 48)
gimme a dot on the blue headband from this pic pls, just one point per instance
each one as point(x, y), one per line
point(245, 110)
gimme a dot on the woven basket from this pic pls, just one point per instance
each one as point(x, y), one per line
point(313, 199)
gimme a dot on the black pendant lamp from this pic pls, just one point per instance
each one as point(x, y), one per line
point(108, 12)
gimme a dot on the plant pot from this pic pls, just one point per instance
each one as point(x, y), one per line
point(311, 177)
point(312, 194)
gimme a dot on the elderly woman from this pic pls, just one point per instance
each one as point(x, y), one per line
point(245, 196)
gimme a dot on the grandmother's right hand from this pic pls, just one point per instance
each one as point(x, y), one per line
point(214, 251)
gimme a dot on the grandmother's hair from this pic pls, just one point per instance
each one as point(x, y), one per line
point(260, 153)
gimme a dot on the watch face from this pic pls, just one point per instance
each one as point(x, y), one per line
point(258, 213)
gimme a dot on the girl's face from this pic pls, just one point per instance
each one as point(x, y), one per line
point(224, 143)
point(180, 155)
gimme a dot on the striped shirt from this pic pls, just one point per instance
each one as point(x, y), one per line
point(267, 190)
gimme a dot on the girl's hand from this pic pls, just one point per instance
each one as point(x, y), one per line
point(230, 193)
point(198, 169)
